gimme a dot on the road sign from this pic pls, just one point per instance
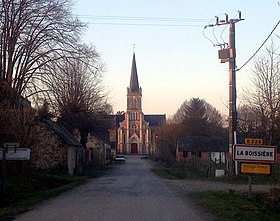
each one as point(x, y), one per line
point(253, 153)
point(255, 168)
point(7, 145)
point(15, 153)
point(254, 141)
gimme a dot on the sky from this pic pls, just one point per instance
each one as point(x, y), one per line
point(175, 61)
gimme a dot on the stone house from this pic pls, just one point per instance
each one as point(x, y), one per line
point(99, 147)
point(201, 149)
point(56, 148)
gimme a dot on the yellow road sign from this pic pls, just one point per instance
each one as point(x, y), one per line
point(255, 168)
point(253, 141)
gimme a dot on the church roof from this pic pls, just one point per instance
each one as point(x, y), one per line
point(134, 85)
point(155, 120)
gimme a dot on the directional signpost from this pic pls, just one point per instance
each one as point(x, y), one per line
point(11, 151)
point(15, 154)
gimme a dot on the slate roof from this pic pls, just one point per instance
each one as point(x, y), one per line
point(202, 144)
point(119, 118)
point(63, 133)
point(101, 132)
point(134, 84)
point(155, 120)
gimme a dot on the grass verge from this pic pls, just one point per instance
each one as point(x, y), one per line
point(170, 173)
point(24, 192)
point(226, 206)
point(199, 171)
point(20, 200)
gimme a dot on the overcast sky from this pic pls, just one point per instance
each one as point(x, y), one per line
point(175, 61)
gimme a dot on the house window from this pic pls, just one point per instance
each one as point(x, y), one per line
point(196, 154)
point(185, 154)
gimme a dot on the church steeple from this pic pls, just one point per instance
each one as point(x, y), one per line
point(134, 85)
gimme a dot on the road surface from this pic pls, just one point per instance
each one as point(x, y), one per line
point(129, 192)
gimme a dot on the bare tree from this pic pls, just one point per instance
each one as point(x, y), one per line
point(16, 126)
point(33, 33)
point(264, 95)
point(77, 92)
point(76, 85)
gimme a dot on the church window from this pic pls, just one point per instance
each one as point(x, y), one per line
point(134, 103)
point(133, 116)
point(133, 127)
point(123, 138)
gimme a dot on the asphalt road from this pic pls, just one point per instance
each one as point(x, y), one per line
point(130, 192)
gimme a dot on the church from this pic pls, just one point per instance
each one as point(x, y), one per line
point(136, 132)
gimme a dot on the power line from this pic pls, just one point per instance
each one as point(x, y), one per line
point(106, 17)
point(260, 46)
point(144, 21)
point(144, 24)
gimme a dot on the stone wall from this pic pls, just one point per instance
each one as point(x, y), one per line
point(48, 151)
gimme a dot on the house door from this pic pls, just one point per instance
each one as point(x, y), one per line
point(134, 148)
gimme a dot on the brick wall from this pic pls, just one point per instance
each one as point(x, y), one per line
point(203, 157)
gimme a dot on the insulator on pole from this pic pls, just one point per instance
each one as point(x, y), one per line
point(239, 15)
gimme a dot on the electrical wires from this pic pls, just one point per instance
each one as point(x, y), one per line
point(142, 21)
point(259, 47)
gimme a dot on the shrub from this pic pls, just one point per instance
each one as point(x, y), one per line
point(272, 198)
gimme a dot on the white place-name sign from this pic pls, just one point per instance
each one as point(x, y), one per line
point(252, 153)
point(15, 154)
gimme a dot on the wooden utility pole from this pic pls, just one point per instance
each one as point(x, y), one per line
point(232, 94)
point(228, 54)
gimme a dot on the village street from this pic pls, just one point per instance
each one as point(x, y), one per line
point(130, 191)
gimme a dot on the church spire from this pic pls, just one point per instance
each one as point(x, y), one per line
point(134, 85)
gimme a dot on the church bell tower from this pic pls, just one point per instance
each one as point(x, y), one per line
point(134, 112)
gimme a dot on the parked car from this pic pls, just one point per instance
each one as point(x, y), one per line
point(120, 158)
point(144, 156)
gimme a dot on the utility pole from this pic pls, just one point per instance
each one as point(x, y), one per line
point(227, 53)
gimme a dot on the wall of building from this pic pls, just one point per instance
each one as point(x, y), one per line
point(202, 157)
point(48, 151)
